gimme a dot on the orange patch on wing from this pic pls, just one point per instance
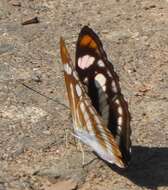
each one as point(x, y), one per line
point(93, 45)
point(87, 40)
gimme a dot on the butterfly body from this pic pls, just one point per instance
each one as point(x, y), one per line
point(99, 111)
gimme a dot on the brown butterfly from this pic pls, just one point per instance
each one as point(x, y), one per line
point(100, 114)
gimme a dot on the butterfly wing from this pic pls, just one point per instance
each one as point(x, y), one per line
point(88, 125)
point(102, 84)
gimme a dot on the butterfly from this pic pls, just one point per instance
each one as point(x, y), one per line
point(99, 112)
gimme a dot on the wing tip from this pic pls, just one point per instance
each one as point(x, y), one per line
point(64, 52)
point(87, 29)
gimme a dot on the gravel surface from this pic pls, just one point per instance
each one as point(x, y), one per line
point(37, 150)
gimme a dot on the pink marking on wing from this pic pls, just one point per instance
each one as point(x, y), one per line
point(85, 61)
point(90, 61)
point(79, 62)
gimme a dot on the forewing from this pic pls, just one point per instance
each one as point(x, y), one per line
point(102, 84)
point(88, 125)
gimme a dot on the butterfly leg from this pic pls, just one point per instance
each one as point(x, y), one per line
point(79, 144)
point(83, 153)
point(83, 156)
point(89, 162)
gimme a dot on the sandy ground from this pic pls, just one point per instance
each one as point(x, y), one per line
point(37, 150)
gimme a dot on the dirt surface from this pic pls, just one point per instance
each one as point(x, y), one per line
point(37, 150)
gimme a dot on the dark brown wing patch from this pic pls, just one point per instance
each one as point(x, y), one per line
point(113, 107)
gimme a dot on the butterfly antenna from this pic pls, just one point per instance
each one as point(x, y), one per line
point(55, 100)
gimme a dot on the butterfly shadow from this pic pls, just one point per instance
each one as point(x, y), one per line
point(148, 168)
